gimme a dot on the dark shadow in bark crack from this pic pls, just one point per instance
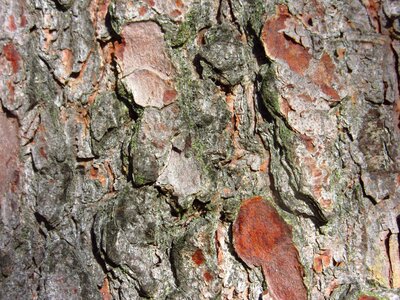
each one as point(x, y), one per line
point(398, 235)
point(257, 49)
point(96, 251)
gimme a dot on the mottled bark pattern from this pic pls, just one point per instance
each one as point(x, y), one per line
point(187, 149)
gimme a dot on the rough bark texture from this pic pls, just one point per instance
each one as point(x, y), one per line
point(186, 149)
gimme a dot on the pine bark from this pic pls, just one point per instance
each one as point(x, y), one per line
point(187, 149)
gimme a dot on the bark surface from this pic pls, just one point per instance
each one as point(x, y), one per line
point(187, 149)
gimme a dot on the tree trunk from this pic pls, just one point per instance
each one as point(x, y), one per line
point(187, 149)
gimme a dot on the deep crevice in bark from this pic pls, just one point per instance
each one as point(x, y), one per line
point(96, 251)
point(387, 247)
point(42, 220)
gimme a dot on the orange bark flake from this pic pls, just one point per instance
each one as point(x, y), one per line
point(169, 96)
point(119, 47)
point(262, 238)
point(326, 203)
point(96, 174)
point(366, 297)
point(278, 46)
point(306, 97)
point(340, 53)
point(11, 23)
point(198, 257)
point(179, 3)
point(11, 90)
point(207, 276)
point(92, 97)
point(175, 13)
point(373, 7)
point(142, 11)
point(93, 172)
point(105, 290)
point(308, 142)
point(67, 58)
point(322, 261)
point(47, 39)
point(12, 55)
point(324, 76)
point(264, 166)
point(285, 106)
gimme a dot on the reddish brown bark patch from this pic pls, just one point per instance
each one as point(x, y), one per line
point(11, 23)
point(198, 257)
point(105, 290)
point(179, 3)
point(169, 96)
point(23, 21)
point(366, 297)
point(142, 11)
point(397, 114)
point(278, 46)
point(175, 13)
point(340, 53)
point(67, 58)
point(324, 76)
point(373, 7)
point(119, 48)
point(262, 238)
point(11, 90)
point(12, 55)
point(322, 261)
point(285, 107)
point(207, 276)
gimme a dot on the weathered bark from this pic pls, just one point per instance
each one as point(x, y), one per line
point(187, 149)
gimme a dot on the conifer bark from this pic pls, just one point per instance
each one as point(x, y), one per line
point(187, 149)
